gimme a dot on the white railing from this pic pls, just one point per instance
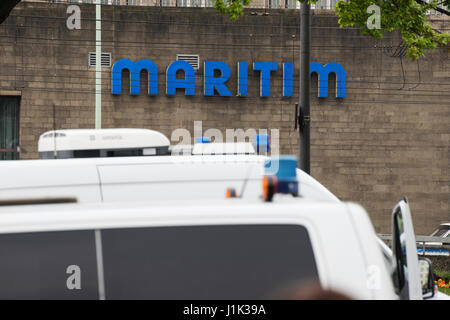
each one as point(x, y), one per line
point(268, 4)
point(265, 4)
point(426, 245)
point(434, 12)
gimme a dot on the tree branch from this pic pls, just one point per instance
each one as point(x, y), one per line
point(5, 8)
point(438, 9)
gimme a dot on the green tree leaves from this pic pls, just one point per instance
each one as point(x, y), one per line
point(233, 8)
point(407, 16)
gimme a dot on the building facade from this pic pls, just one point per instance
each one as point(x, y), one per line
point(386, 136)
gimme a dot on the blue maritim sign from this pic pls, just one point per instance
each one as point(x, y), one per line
point(213, 84)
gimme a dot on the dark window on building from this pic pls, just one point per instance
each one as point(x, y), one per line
point(35, 265)
point(205, 262)
point(9, 127)
point(182, 3)
point(290, 4)
point(196, 3)
point(274, 4)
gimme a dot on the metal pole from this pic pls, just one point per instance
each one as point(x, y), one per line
point(305, 42)
point(98, 66)
point(54, 133)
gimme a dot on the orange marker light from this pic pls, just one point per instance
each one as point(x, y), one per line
point(269, 187)
point(231, 193)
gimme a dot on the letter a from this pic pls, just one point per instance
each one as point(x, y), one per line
point(74, 280)
point(374, 21)
point(74, 21)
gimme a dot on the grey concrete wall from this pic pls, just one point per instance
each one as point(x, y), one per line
point(387, 139)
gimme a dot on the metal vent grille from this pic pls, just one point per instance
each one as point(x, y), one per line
point(192, 59)
point(106, 60)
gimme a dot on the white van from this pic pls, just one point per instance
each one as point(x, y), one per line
point(167, 231)
point(177, 198)
point(209, 249)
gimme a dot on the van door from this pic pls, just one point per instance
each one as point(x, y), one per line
point(405, 260)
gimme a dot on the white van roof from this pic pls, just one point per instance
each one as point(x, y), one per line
point(91, 139)
point(217, 148)
point(133, 178)
point(52, 217)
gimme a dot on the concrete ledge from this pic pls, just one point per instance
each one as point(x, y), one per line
point(10, 93)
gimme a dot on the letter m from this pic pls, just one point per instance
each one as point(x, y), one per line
point(135, 76)
point(323, 73)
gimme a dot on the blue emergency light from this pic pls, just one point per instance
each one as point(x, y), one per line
point(281, 175)
point(262, 143)
point(202, 140)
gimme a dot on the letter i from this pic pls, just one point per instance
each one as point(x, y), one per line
point(242, 79)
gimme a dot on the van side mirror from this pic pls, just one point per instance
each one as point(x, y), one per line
point(399, 252)
point(404, 254)
point(426, 277)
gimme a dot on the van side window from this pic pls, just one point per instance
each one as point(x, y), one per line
point(124, 153)
point(48, 265)
point(86, 153)
point(205, 262)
